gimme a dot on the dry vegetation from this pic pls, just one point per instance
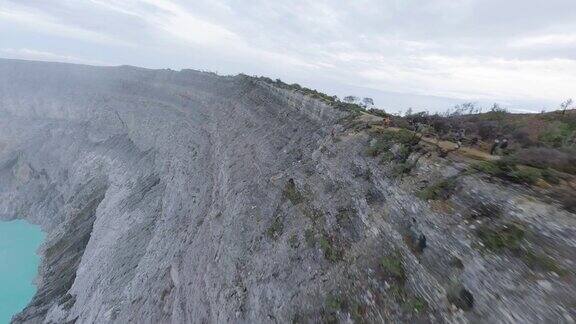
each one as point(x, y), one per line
point(541, 148)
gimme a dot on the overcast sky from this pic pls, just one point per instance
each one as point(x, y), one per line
point(517, 52)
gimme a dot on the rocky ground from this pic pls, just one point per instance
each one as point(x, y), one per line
point(187, 197)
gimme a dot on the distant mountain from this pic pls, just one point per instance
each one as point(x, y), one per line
point(395, 102)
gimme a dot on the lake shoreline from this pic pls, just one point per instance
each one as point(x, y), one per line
point(19, 264)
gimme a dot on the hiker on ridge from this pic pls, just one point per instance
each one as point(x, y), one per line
point(494, 146)
point(504, 144)
point(386, 122)
point(460, 137)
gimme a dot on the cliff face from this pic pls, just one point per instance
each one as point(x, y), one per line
point(189, 197)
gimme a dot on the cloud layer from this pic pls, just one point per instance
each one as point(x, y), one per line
point(508, 51)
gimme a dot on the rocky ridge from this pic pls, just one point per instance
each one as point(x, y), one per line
point(189, 197)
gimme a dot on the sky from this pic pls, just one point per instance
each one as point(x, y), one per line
point(426, 54)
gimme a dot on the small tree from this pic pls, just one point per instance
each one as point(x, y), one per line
point(351, 99)
point(566, 105)
point(469, 108)
point(497, 109)
point(463, 109)
point(368, 102)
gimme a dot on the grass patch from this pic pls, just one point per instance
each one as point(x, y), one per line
point(411, 304)
point(344, 215)
point(480, 209)
point(312, 213)
point(557, 134)
point(527, 175)
point(331, 253)
point(291, 192)
point(402, 136)
point(550, 176)
point(387, 157)
point(509, 237)
point(439, 191)
point(565, 196)
point(309, 237)
point(414, 304)
point(275, 230)
point(392, 267)
point(546, 158)
point(334, 303)
point(293, 241)
point(538, 261)
point(385, 139)
point(508, 170)
point(402, 168)
point(501, 238)
point(383, 142)
point(377, 147)
point(498, 168)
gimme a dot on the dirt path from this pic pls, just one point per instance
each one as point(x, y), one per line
point(466, 152)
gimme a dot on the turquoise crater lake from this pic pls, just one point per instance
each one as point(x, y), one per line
point(19, 241)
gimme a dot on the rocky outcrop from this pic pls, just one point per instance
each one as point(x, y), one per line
point(189, 197)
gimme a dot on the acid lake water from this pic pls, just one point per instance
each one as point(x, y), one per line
point(19, 242)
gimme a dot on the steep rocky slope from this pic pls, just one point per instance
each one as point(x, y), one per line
point(189, 197)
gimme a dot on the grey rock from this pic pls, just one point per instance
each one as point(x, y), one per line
point(157, 189)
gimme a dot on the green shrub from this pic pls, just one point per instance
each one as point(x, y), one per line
point(487, 167)
point(344, 215)
point(349, 107)
point(414, 304)
point(550, 176)
point(334, 303)
point(377, 147)
point(392, 267)
point(537, 261)
point(402, 168)
point(312, 213)
point(291, 192)
point(293, 241)
point(509, 237)
point(441, 190)
point(500, 238)
point(556, 134)
point(544, 157)
point(406, 137)
point(331, 253)
point(404, 153)
point(275, 230)
point(484, 209)
point(506, 169)
point(384, 140)
point(566, 197)
point(527, 175)
point(309, 237)
point(378, 112)
point(496, 168)
point(387, 157)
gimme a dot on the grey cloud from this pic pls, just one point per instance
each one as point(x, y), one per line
point(435, 47)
